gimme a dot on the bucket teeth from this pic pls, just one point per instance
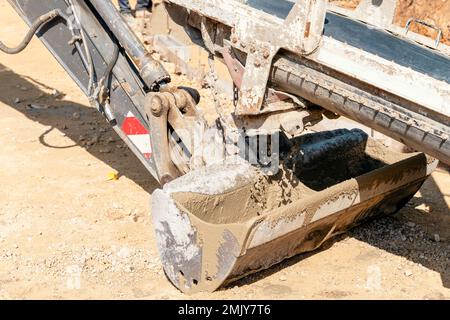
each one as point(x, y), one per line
point(219, 223)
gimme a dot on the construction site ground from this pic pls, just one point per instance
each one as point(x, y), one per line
point(69, 232)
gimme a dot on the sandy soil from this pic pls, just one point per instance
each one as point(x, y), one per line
point(68, 232)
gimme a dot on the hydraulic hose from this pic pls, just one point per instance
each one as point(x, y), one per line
point(44, 19)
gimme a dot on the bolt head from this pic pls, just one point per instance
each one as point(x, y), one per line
point(156, 109)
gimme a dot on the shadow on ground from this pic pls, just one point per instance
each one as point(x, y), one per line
point(81, 123)
point(87, 124)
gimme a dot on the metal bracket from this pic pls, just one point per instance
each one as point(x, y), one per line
point(174, 106)
point(379, 13)
point(261, 35)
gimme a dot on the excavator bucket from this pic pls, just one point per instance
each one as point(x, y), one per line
point(293, 67)
point(225, 221)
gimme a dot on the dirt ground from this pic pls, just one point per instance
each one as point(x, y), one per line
point(66, 232)
point(435, 12)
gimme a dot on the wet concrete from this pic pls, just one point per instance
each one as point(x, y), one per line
point(241, 221)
